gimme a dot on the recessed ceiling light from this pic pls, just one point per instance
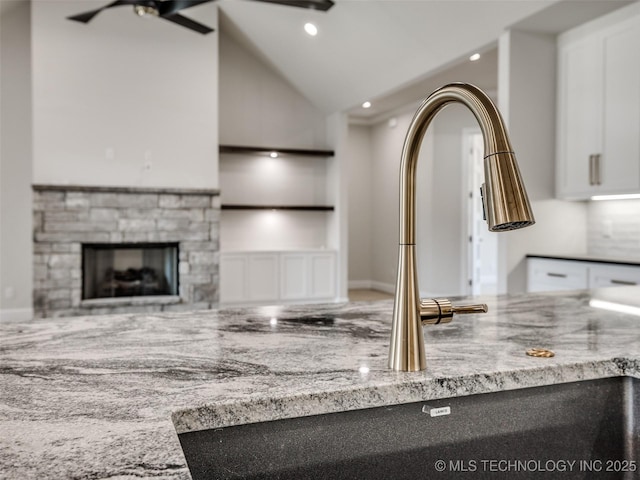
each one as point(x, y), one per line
point(474, 57)
point(311, 29)
point(366, 105)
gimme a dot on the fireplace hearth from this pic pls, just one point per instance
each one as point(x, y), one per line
point(101, 250)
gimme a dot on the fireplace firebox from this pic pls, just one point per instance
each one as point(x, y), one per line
point(129, 270)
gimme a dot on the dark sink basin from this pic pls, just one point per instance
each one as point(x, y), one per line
point(580, 430)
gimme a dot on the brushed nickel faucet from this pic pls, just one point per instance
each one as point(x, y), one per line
point(504, 200)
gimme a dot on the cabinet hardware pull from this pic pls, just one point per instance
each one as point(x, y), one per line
point(558, 275)
point(591, 170)
point(623, 282)
point(597, 169)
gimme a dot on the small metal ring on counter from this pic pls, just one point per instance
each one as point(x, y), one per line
point(540, 352)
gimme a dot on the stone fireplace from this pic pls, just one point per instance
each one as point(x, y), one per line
point(101, 250)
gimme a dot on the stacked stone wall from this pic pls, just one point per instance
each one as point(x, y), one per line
point(67, 217)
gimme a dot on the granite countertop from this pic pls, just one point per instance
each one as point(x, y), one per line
point(102, 397)
point(589, 258)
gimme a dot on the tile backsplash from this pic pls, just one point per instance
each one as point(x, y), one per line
point(613, 228)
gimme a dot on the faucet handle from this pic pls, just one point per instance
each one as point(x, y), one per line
point(440, 310)
point(476, 308)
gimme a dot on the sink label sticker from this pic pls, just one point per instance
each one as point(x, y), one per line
point(436, 412)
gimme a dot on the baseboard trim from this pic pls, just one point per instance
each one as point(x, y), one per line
point(16, 314)
point(383, 287)
point(372, 285)
point(359, 284)
point(387, 288)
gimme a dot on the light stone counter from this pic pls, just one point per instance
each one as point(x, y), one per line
point(94, 397)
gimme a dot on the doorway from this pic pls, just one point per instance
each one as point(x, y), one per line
point(482, 246)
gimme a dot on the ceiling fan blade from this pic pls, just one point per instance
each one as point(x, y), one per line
point(172, 6)
point(322, 5)
point(188, 23)
point(87, 16)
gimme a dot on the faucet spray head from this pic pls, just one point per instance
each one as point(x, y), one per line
point(505, 198)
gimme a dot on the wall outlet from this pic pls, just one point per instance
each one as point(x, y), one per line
point(148, 164)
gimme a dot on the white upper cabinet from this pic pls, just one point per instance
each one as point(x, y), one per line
point(598, 143)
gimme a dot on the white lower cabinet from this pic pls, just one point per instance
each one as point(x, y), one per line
point(323, 274)
point(545, 275)
point(277, 277)
point(548, 274)
point(234, 274)
point(294, 276)
point(603, 275)
point(263, 268)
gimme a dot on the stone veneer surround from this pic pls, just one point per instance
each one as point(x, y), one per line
point(65, 217)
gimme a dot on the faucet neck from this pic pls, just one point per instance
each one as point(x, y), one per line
point(491, 125)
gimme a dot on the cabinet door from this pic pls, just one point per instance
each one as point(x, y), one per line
point(580, 117)
point(599, 110)
point(323, 274)
point(263, 277)
point(545, 275)
point(608, 275)
point(294, 272)
point(233, 278)
point(619, 164)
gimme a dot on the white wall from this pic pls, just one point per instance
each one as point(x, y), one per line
point(123, 101)
point(527, 93)
point(386, 148)
point(449, 194)
point(258, 107)
point(16, 256)
point(338, 195)
point(613, 228)
point(358, 160)
point(439, 197)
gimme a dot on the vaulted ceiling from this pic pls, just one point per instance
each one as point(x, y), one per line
point(368, 49)
point(393, 51)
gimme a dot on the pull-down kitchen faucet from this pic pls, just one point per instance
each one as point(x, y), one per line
point(505, 204)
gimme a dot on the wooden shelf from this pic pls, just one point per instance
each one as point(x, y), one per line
point(307, 208)
point(281, 151)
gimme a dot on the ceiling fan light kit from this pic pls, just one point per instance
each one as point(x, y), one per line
point(145, 11)
point(168, 10)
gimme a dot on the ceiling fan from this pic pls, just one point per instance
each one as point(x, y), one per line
point(168, 9)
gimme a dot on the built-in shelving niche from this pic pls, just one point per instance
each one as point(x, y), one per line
point(276, 152)
point(276, 245)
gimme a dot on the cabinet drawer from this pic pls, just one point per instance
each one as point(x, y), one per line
point(607, 275)
point(549, 275)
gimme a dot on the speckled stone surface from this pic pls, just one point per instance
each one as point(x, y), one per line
point(102, 397)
